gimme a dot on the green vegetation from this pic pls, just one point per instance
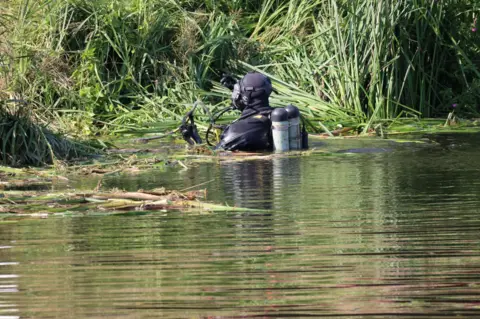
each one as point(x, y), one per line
point(25, 143)
point(103, 67)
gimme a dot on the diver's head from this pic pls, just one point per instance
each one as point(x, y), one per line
point(253, 89)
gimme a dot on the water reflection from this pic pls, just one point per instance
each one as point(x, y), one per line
point(370, 235)
point(263, 184)
point(247, 178)
point(8, 283)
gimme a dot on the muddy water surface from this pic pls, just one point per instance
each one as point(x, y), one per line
point(389, 232)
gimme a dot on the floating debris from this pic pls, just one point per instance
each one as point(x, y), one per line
point(38, 204)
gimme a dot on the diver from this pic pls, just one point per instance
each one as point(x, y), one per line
point(260, 127)
point(253, 130)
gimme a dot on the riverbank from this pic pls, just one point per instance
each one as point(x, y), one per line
point(136, 151)
point(99, 68)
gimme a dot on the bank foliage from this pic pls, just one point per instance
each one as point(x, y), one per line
point(102, 66)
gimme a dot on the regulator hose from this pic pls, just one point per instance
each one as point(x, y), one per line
point(213, 119)
point(189, 129)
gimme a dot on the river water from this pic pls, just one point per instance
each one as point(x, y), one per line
point(390, 231)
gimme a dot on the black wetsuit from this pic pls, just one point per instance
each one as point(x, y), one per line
point(251, 132)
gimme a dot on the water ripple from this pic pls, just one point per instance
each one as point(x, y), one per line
point(368, 235)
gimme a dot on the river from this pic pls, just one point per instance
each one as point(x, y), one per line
point(390, 231)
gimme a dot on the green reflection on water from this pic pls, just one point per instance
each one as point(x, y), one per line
point(385, 232)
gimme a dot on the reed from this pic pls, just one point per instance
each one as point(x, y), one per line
point(24, 143)
point(108, 66)
point(375, 59)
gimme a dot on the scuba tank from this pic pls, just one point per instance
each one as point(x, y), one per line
point(286, 130)
point(295, 139)
point(280, 127)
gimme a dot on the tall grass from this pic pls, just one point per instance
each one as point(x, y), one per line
point(376, 59)
point(98, 66)
point(24, 143)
